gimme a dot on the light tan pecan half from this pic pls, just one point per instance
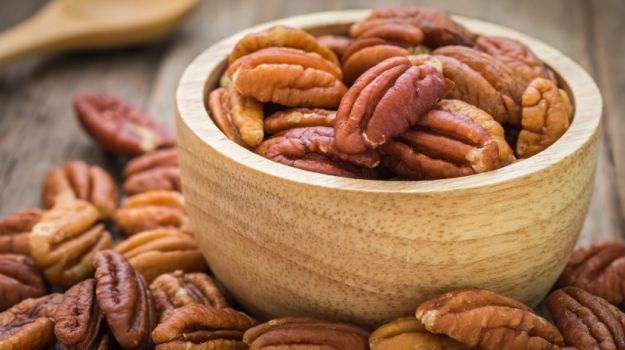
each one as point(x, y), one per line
point(298, 118)
point(408, 333)
point(151, 210)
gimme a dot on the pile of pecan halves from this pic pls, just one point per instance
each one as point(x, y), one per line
point(410, 94)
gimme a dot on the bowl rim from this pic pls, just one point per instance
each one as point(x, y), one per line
point(192, 111)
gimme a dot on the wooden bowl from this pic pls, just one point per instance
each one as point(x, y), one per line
point(290, 242)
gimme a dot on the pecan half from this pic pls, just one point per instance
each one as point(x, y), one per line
point(125, 300)
point(156, 170)
point(198, 326)
point(79, 323)
point(598, 269)
point(20, 278)
point(119, 128)
point(14, 231)
point(515, 55)
point(154, 252)
point(30, 324)
point(305, 333)
point(410, 334)
point(547, 113)
point(79, 180)
point(298, 118)
point(480, 318)
point(289, 77)
point(386, 101)
point(587, 321)
point(239, 118)
point(280, 36)
point(314, 149)
point(150, 210)
point(64, 241)
point(336, 43)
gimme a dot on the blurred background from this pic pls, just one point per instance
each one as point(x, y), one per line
point(38, 130)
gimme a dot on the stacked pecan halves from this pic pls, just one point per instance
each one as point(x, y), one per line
point(409, 94)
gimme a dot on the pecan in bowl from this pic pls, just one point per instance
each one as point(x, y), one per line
point(157, 170)
point(298, 118)
point(20, 279)
point(337, 43)
point(151, 210)
point(14, 231)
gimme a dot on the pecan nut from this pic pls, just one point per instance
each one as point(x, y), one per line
point(125, 300)
point(176, 289)
point(64, 241)
point(314, 149)
point(151, 210)
point(154, 252)
point(156, 170)
point(587, 321)
point(79, 180)
point(336, 43)
point(547, 114)
point(483, 319)
point(119, 128)
point(14, 231)
point(20, 279)
point(198, 326)
point(239, 118)
point(298, 118)
point(290, 77)
point(79, 323)
point(30, 324)
point(305, 333)
point(410, 334)
point(386, 101)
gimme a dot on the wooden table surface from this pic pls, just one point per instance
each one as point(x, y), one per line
point(38, 130)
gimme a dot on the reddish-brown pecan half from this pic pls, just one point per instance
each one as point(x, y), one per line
point(587, 321)
point(79, 180)
point(156, 170)
point(298, 118)
point(410, 334)
point(151, 210)
point(79, 323)
point(20, 279)
point(385, 102)
point(515, 55)
point(314, 149)
point(305, 333)
point(176, 289)
point(489, 321)
point(119, 128)
point(598, 269)
point(30, 324)
point(14, 231)
point(196, 326)
point(125, 300)
point(290, 77)
point(336, 43)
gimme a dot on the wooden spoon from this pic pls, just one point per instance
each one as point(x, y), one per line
point(64, 25)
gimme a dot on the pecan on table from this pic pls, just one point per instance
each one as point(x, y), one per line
point(119, 128)
point(314, 149)
point(176, 289)
point(20, 278)
point(64, 241)
point(239, 118)
point(79, 180)
point(14, 231)
point(195, 326)
point(336, 43)
point(515, 55)
point(408, 333)
point(587, 321)
point(298, 118)
point(154, 252)
point(293, 333)
point(29, 324)
point(386, 101)
point(150, 210)
point(125, 300)
point(79, 323)
point(488, 321)
point(547, 113)
point(156, 170)
point(290, 77)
